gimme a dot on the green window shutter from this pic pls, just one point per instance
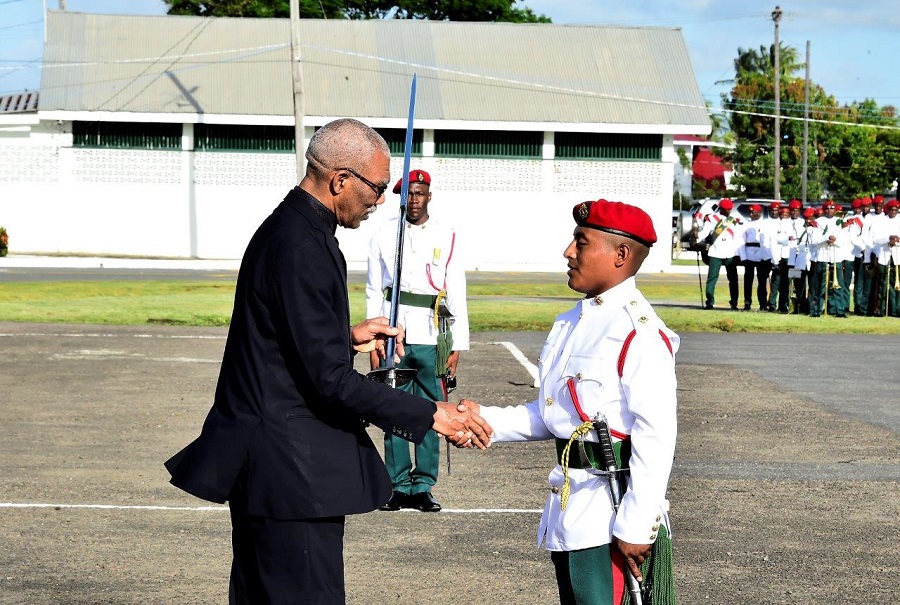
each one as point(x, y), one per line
point(396, 140)
point(126, 135)
point(488, 144)
point(608, 146)
point(240, 137)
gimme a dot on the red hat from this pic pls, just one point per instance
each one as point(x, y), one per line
point(891, 204)
point(415, 176)
point(878, 199)
point(809, 213)
point(795, 204)
point(866, 201)
point(774, 205)
point(617, 218)
point(828, 204)
point(726, 204)
point(856, 204)
point(755, 208)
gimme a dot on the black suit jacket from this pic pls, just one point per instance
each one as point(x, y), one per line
point(289, 416)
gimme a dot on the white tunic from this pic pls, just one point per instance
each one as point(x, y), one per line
point(727, 242)
point(431, 262)
point(585, 343)
point(882, 231)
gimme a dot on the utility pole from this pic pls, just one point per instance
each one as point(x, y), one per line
point(806, 123)
point(62, 5)
point(776, 17)
point(297, 80)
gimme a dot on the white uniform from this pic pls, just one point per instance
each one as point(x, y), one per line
point(729, 240)
point(585, 344)
point(820, 250)
point(431, 263)
point(754, 247)
point(881, 232)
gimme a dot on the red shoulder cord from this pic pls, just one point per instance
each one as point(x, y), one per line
point(621, 364)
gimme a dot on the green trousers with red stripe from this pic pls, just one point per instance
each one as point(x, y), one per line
point(405, 477)
point(596, 576)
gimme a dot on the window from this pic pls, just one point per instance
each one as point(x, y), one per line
point(126, 135)
point(396, 140)
point(607, 146)
point(228, 137)
point(488, 144)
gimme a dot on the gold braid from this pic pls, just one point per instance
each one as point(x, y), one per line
point(583, 429)
point(437, 303)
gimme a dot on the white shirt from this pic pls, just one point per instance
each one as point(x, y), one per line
point(727, 242)
point(881, 232)
point(754, 247)
point(820, 250)
point(585, 344)
point(431, 263)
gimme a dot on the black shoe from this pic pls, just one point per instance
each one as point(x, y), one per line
point(398, 500)
point(425, 502)
point(747, 307)
point(708, 306)
point(734, 307)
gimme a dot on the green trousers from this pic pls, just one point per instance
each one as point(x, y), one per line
point(406, 478)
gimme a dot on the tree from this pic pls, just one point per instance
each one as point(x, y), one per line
point(437, 10)
point(844, 161)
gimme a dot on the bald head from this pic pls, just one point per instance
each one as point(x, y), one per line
point(343, 143)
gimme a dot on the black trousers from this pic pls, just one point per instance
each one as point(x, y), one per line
point(295, 562)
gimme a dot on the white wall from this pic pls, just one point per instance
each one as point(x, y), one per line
point(511, 214)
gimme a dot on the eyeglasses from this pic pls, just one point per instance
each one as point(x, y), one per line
point(378, 189)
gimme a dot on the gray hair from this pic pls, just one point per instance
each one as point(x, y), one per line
point(344, 143)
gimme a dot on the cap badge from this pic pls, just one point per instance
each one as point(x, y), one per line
point(583, 211)
point(420, 177)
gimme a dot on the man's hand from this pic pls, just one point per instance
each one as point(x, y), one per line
point(452, 362)
point(372, 334)
point(461, 427)
point(634, 555)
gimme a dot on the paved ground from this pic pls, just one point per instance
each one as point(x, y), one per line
point(786, 487)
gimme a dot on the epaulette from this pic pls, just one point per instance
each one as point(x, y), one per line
point(640, 313)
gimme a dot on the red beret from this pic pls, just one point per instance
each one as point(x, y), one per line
point(891, 204)
point(878, 199)
point(755, 208)
point(415, 176)
point(774, 205)
point(866, 201)
point(617, 218)
point(795, 204)
point(809, 213)
point(726, 204)
point(856, 204)
point(828, 204)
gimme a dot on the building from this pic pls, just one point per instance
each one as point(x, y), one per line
point(173, 136)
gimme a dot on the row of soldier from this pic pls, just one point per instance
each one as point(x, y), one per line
point(808, 260)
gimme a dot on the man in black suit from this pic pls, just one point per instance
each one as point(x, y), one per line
point(285, 441)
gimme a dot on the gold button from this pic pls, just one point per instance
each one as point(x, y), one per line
point(658, 518)
point(598, 300)
point(633, 303)
point(652, 537)
point(549, 400)
point(578, 375)
point(554, 489)
point(655, 527)
point(642, 319)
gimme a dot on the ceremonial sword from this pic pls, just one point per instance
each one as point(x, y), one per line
point(611, 470)
point(393, 376)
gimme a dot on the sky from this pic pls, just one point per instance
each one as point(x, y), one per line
point(855, 44)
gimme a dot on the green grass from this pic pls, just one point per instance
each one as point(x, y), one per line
point(500, 306)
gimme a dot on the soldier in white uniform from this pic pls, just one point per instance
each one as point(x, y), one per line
point(777, 253)
point(875, 273)
point(723, 235)
point(756, 257)
point(886, 247)
point(433, 311)
point(827, 242)
point(609, 355)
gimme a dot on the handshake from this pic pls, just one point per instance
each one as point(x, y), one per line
point(461, 424)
